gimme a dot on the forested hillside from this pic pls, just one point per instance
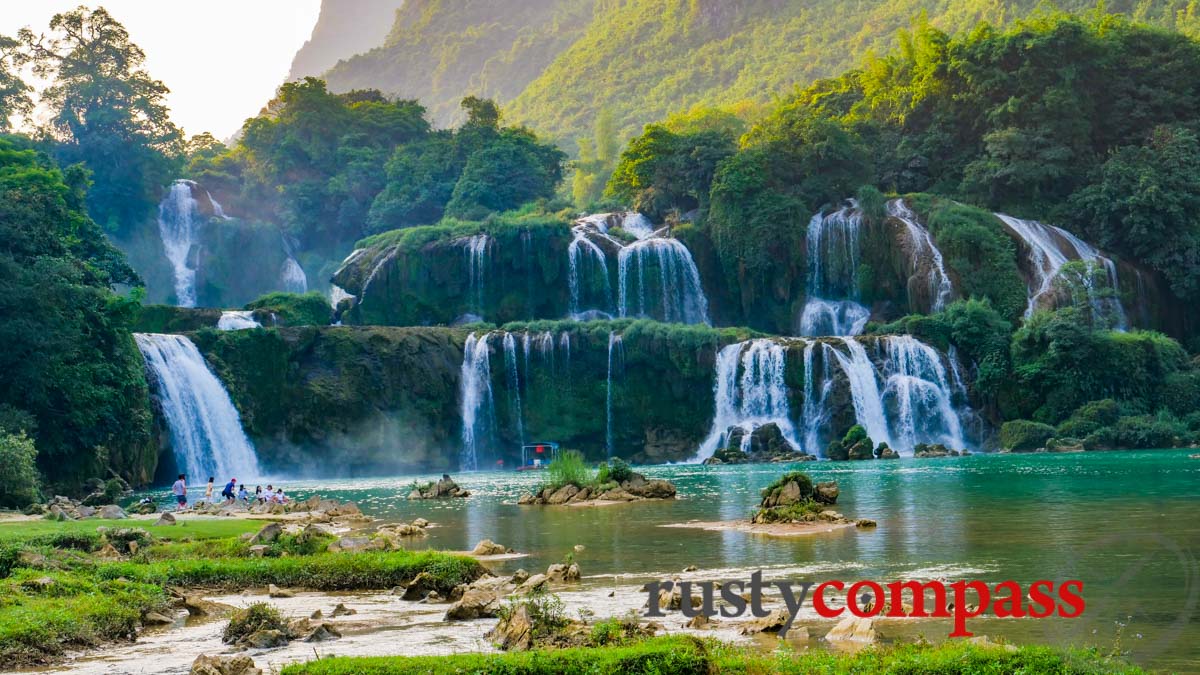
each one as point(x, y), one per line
point(556, 64)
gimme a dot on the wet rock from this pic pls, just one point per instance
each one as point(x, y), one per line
point(420, 586)
point(519, 577)
point(653, 489)
point(690, 568)
point(274, 591)
point(318, 614)
point(475, 603)
point(421, 523)
point(578, 548)
point(224, 665)
point(826, 493)
point(527, 499)
point(560, 573)
point(165, 519)
point(853, 629)
point(267, 638)
point(488, 547)
point(514, 632)
point(342, 610)
point(197, 606)
point(323, 633)
point(698, 622)
point(772, 623)
point(269, 533)
point(532, 583)
point(156, 619)
point(865, 522)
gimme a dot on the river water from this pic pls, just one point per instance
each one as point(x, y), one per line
point(1125, 524)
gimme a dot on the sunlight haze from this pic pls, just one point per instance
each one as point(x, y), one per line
point(222, 60)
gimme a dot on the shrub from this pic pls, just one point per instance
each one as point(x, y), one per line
point(295, 309)
point(568, 468)
point(799, 477)
point(1024, 435)
point(616, 470)
point(1090, 417)
point(256, 617)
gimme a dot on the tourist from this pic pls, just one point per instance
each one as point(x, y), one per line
point(208, 490)
point(280, 497)
point(227, 493)
point(258, 498)
point(179, 489)
point(243, 495)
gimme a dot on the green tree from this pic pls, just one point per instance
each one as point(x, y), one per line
point(18, 470)
point(14, 92)
point(107, 112)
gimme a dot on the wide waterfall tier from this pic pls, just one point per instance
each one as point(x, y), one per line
point(178, 223)
point(206, 432)
point(1047, 250)
point(900, 390)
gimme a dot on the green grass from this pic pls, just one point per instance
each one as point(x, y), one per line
point(206, 528)
point(569, 468)
point(323, 572)
point(679, 655)
point(75, 610)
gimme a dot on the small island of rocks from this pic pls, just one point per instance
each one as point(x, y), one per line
point(570, 481)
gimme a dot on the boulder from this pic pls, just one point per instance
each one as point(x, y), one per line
point(532, 583)
point(853, 629)
point(153, 618)
point(165, 519)
point(655, 489)
point(85, 512)
point(826, 493)
point(224, 665)
point(108, 552)
point(259, 550)
point(476, 603)
point(421, 523)
point(269, 533)
point(267, 638)
point(556, 573)
point(322, 633)
point(274, 591)
point(562, 495)
point(343, 610)
point(350, 543)
point(111, 512)
point(772, 623)
point(514, 632)
point(420, 586)
point(488, 547)
point(865, 522)
point(519, 577)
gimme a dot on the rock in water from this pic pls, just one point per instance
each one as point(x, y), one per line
point(224, 665)
point(853, 629)
point(476, 603)
point(488, 547)
point(772, 623)
point(277, 592)
point(322, 633)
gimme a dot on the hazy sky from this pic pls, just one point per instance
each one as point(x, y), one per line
point(222, 59)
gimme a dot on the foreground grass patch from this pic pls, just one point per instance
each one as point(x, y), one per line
point(681, 655)
point(323, 572)
point(193, 528)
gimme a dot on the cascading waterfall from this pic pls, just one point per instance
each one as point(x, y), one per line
point(586, 259)
point(750, 392)
point(831, 246)
point(940, 289)
point(216, 207)
point(616, 353)
point(476, 248)
point(513, 378)
point(206, 432)
point(864, 390)
point(292, 277)
point(1052, 247)
point(918, 394)
point(475, 401)
point(177, 226)
point(638, 225)
point(237, 320)
point(816, 409)
point(683, 299)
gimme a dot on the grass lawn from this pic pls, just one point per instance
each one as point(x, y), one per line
point(197, 528)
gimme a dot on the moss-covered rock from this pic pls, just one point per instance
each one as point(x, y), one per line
point(1024, 435)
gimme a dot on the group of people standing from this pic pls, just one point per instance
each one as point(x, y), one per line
point(232, 492)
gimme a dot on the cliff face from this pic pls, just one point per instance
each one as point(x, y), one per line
point(344, 28)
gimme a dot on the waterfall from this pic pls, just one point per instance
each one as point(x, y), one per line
point(513, 377)
point(177, 226)
point(216, 207)
point(1049, 248)
point(583, 254)
point(683, 299)
point(638, 225)
point(749, 392)
point(940, 289)
point(292, 277)
point(237, 320)
point(816, 409)
point(337, 294)
point(864, 390)
point(476, 248)
point(919, 395)
point(832, 250)
point(475, 401)
point(206, 433)
point(614, 346)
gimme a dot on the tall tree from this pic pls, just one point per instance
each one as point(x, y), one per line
point(14, 92)
point(106, 112)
